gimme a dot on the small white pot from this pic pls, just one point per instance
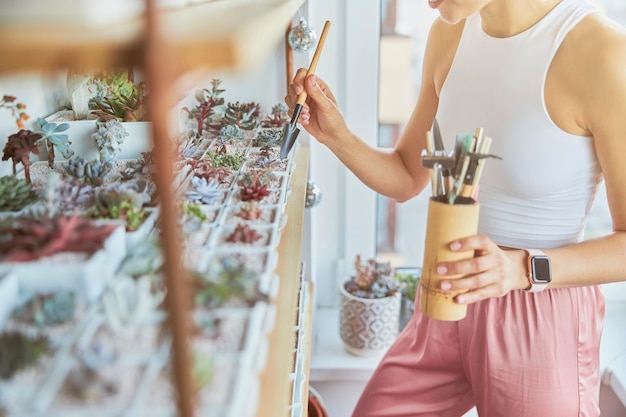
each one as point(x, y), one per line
point(87, 277)
point(139, 137)
point(368, 326)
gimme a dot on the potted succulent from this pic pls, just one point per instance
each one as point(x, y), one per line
point(15, 194)
point(19, 147)
point(109, 95)
point(370, 308)
point(61, 253)
point(410, 278)
point(208, 102)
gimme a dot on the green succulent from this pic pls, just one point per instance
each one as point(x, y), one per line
point(18, 351)
point(243, 115)
point(46, 310)
point(194, 210)
point(203, 370)
point(234, 161)
point(15, 194)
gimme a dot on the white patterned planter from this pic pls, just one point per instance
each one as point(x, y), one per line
point(368, 326)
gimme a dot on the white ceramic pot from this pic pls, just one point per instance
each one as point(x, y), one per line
point(87, 277)
point(368, 326)
point(139, 137)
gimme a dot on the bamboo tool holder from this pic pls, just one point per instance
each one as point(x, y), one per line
point(446, 222)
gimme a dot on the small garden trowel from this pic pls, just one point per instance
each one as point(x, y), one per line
point(290, 130)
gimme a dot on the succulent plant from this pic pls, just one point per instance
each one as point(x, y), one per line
point(70, 194)
point(194, 210)
point(124, 210)
point(261, 176)
point(109, 138)
point(410, 278)
point(18, 148)
point(222, 146)
point(243, 233)
point(372, 279)
point(206, 192)
point(250, 210)
point(207, 100)
point(18, 351)
point(278, 117)
point(134, 191)
point(202, 168)
point(62, 195)
point(203, 370)
point(24, 240)
point(124, 100)
point(48, 309)
point(55, 140)
point(243, 115)
point(254, 186)
point(272, 136)
point(225, 281)
point(16, 108)
point(92, 172)
point(127, 303)
point(144, 258)
point(231, 132)
point(234, 160)
point(15, 193)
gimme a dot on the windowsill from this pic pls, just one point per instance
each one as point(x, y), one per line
point(331, 362)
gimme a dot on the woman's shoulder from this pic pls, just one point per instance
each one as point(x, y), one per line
point(597, 40)
point(443, 41)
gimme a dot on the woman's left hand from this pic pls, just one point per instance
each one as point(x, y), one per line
point(491, 273)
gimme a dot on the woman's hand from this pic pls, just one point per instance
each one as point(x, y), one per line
point(491, 273)
point(320, 114)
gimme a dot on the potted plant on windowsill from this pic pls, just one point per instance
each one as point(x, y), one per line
point(370, 308)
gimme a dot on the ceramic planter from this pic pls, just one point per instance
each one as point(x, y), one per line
point(368, 326)
point(139, 137)
point(87, 277)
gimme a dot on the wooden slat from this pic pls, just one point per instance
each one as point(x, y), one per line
point(275, 385)
point(307, 345)
point(216, 35)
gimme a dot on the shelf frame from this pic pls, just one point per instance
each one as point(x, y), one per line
point(217, 35)
point(275, 395)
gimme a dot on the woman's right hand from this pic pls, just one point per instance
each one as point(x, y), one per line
point(320, 115)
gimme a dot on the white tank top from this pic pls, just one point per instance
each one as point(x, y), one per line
point(540, 194)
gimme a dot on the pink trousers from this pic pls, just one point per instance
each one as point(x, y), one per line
point(521, 355)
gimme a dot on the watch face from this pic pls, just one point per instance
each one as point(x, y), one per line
point(541, 269)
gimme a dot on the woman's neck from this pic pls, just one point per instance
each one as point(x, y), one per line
point(505, 18)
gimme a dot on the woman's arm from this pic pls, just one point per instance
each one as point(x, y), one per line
point(592, 64)
point(396, 173)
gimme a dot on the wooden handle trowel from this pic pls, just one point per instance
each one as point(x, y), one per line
point(290, 130)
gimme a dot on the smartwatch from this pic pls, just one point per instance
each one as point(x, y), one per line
point(539, 272)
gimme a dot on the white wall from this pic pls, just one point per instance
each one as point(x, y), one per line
point(42, 95)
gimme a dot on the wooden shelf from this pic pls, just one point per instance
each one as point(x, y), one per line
point(229, 35)
point(275, 385)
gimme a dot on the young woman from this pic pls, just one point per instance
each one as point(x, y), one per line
point(547, 81)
